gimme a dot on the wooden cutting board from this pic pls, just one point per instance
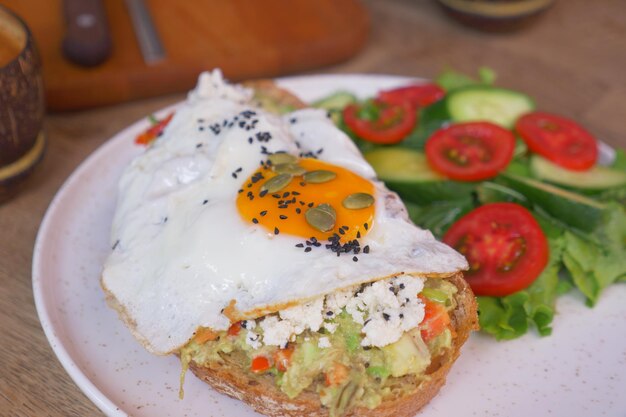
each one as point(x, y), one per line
point(245, 38)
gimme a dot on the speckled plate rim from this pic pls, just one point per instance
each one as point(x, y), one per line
point(309, 87)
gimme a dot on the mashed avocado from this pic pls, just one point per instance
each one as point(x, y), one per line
point(335, 364)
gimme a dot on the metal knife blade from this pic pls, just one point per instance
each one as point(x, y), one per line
point(149, 41)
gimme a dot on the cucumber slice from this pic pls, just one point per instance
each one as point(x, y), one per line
point(407, 172)
point(336, 101)
point(401, 164)
point(484, 103)
point(597, 178)
point(573, 209)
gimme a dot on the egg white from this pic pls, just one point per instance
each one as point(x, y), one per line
point(182, 252)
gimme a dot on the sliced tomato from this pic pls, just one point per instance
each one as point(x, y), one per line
point(154, 131)
point(504, 246)
point(436, 319)
point(561, 140)
point(260, 364)
point(337, 374)
point(234, 329)
point(282, 358)
point(417, 95)
point(385, 124)
point(470, 151)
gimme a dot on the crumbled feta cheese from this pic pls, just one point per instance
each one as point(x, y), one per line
point(248, 324)
point(305, 316)
point(331, 327)
point(387, 309)
point(253, 339)
point(323, 342)
point(336, 301)
point(276, 332)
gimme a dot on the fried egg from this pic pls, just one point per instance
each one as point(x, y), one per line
point(211, 227)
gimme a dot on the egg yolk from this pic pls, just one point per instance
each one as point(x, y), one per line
point(284, 211)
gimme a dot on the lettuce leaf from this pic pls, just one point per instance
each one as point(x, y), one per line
point(450, 79)
point(598, 261)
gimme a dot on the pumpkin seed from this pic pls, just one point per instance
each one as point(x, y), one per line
point(281, 158)
point(358, 201)
point(321, 217)
point(319, 176)
point(277, 183)
point(293, 169)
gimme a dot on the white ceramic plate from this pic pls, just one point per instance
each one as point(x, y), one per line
point(578, 371)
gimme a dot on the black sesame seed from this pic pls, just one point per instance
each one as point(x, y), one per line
point(250, 140)
point(401, 316)
point(366, 226)
point(263, 193)
point(358, 235)
point(298, 210)
point(282, 217)
point(116, 244)
point(366, 249)
point(307, 249)
point(254, 220)
point(329, 313)
point(300, 245)
point(234, 175)
point(286, 194)
point(239, 169)
point(263, 213)
point(240, 190)
point(206, 201)
point(386, 316)
point(198, 145)
point(355, 259)
point(310, 204)
point(276, 231)
point(401, 286)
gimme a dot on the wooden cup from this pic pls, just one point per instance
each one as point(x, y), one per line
point(22, 139)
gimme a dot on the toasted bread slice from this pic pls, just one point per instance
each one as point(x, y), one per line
point(260, 392)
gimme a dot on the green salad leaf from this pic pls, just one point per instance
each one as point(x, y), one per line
point(450, 79)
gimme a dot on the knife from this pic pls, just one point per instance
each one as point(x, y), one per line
point(149, 42)
point(87, 40)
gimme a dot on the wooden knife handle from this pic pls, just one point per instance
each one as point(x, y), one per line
point(87, 41)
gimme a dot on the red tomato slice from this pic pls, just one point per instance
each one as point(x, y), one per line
point(282, 358)
point(234, 329)
point(418, 95)
point(394, 122)
point(470, 151)
point(504, 246)
point(436, 319)
point(260, 364)
point(337, 374)
point(154, 131)
point(560, 140)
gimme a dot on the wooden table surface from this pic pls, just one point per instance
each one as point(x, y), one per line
point(572, 61)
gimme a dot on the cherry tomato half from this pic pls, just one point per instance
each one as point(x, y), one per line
point(559, 139)
point(470, 151)
point(392, 122)
point(436, 319)
point(154, 131)
point(260, 364)
point(417, 95)
point(504, 246)
point(282, 358)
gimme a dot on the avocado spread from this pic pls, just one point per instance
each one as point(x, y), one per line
point(336, 365)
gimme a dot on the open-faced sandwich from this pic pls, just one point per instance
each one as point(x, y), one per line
point(261, 249)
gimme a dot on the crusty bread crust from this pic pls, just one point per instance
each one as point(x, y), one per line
point(260, 392)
